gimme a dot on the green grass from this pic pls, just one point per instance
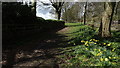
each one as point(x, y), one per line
point(88, 50)
point(78, 32)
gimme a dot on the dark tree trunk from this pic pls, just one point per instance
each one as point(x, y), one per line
point(100, 28)
point(113, 8)
point(85, 14)
point(84, 18)
point(59, 14)
point(34, 8)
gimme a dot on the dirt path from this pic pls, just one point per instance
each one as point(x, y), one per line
point(39, 51)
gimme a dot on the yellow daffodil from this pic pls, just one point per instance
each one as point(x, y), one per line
point(87, 45)
point(104, 49)
point(90, 42)
point(86, 48)
point(113, 62)
point(106, 59)
point(109, 57)
point(109, 44)
point(86, 42)
point(94, 39)
point(97, 40)
point(101, 52)
point(95, 43)
point(104, 43)
point(90, 39)
point(101, 59)
point(98, 54)
point(82, 41)
point(98, 49)
point(113, 49)
point(114, 57)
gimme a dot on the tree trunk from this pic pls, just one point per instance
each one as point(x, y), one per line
point(85, 14)
point(59, 15)
point(116, 8)
point(107, 18)
point(34, 7)
point(84, 18)
point(100, 28)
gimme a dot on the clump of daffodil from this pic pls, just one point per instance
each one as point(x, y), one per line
point(87, 45)
point(95, 43)
point(99, 50)
point(109, 44)
point(104, 43)
point(94, 40)
point(99, 54)
point(113, 62)
point(97, 40)
point(86, 48)
point(86, 42)
point(82, 41)
point(101, 59)
point(90, 39)
point(110, 57)
point(104, 49)
point(106, 59)
point(114, 57)
point(113, 49)
point(91, 42)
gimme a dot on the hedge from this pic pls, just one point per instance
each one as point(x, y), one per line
point(17, 31)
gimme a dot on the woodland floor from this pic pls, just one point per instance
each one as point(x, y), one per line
point(40, 50)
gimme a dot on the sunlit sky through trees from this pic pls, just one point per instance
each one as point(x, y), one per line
point(44, 11)
point(47, 11)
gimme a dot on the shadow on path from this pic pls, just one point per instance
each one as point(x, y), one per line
point(39, 50)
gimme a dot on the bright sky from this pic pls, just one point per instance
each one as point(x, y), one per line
point(47, 1)
point(44, 11)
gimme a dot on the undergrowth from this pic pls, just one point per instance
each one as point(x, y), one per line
point(86, 49)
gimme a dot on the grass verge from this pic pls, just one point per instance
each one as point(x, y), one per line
point(86, 49)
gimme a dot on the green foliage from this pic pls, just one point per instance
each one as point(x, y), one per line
point(80, 32)
point(94, 53)
point(88, 51)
